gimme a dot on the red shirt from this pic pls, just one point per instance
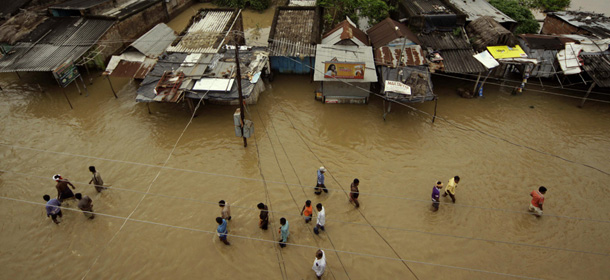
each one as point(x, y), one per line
point(537, 198)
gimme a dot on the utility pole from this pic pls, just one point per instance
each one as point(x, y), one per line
point(241, 97)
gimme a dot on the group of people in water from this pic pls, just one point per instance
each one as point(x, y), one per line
point(64, 192)
point(319, 266)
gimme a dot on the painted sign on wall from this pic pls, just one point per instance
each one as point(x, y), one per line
point(344, 70)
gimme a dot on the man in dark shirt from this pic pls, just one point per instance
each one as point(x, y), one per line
point(264, 216)
point(63, 191)
point(354, 193)
point(86, 205)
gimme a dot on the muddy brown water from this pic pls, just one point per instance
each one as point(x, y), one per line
point(398, 160)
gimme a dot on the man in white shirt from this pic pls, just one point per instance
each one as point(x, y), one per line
point(320, 219)
point(319, 264)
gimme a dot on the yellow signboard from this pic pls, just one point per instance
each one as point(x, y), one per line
point(506, 51)
point(344, 70)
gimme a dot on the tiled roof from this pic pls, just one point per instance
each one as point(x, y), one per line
point(207, 31)
point(294, 32)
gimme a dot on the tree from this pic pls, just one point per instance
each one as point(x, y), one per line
point(335, 11)
point(520, 13)
point(553, 5)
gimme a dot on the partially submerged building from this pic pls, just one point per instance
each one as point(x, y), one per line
point(294, 33)
point(56, 42)
point(574, 22)
point(475, 9)
point(400, 63)
point(198, 65)
point(345, 73)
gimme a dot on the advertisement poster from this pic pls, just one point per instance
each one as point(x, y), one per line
point(65, 74)
point(344, 70)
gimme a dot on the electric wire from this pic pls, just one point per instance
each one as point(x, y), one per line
point(303, 186)
point(148, 189)
point(273, 241)
point(290, 192)
point(337, 220)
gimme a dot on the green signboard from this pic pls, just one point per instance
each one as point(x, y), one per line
point(65, 74)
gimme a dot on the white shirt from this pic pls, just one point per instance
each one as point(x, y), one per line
point(321, 218)
point(319, 265)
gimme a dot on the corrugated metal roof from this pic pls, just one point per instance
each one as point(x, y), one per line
point(344, 54)
point(56, 47)
point(422, 7)
point(597, 65)
point(478, 8)
point(388, 56)
point(155, 41)
point(295, 31)
point(207, 32)
point(597, 24)
point(461, 62)
point(79, 4)
point(444, 41)
point(388, 30)
point(345, 30)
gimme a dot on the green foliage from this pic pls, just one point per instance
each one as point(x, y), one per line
point(553, 5)
point(520, 13)
point(374, 10)
point(258, 5)
point(336, 11)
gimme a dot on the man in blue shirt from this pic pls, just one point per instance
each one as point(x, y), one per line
point(52, 207)
point(222, 230)
point(320, 186)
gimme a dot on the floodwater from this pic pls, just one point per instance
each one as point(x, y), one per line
point(396, 160)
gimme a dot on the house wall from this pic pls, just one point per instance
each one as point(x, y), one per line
point(291, 65)
point(340, 89)
point(124, 32)
point(553, 25)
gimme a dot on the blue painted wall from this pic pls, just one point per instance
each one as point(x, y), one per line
point(291, 65)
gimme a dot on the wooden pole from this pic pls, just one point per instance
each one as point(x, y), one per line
point(241, 97)
point(112, 88)
point(84, 85)
point(70, 103)
point(18, 75)
point(435, 103)
point(88, 74)
point(148, 106)
point(586, 95)
point(77, 87)
point(474, 90)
